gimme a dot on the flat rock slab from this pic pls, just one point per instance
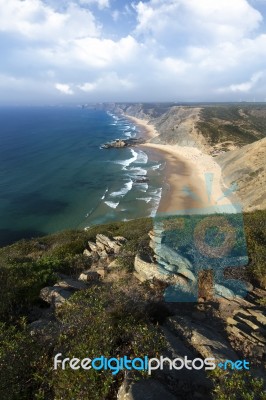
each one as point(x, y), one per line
point(205, 340)
point(71, 284)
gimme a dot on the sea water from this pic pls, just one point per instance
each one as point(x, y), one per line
point(55, 176)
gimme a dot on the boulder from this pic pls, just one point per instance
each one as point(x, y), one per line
point(113, 264)
point(222, 291)
point(187, 274)
point(69, 283)
point(171, 256)
point(55, 295)
point(88, 276)
point(102, 253)
point(203, 339)
point(92, 246)
point(120, 239)
point(87, 253)
point(145, 271)
point(101, 272)
point(155, 236)
point(143, 390)
point(107, 243)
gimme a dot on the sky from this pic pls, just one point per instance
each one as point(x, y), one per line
point(82, 51)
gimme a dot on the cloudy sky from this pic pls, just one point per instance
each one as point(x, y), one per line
point(72, 51)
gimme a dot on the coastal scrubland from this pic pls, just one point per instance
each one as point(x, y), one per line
point(114, 316)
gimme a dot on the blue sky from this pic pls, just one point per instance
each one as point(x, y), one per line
point(55, 52)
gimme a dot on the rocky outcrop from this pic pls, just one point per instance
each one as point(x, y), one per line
point(121, 143)
point(56, 295)
point(147, 271)
point(104, 247)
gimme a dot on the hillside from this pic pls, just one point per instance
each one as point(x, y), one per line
point(247, 167)
point(232, 133)
point(87, 293)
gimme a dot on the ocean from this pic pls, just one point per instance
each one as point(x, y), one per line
point(55, 176)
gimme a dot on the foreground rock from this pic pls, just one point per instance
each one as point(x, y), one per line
point(104, 247)
point(56, 295)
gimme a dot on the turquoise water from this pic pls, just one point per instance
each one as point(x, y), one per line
point(54, 176)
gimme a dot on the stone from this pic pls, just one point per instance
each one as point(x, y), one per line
point(144, 390)
point(55, 295)
point(222, 291)
point(205, 341)
point(92, 246)
point(108, 244)
point(155, 237)
point(187, 274)
point(170, 268)
point(120, 239)
point(258, 315)
point(102, 254)
point(113, 264)
point(69, 283)
point(87, 253)
point(146, 271)
point(172, 257)
point(231, 321)
point(88, 276)
point(101, 272)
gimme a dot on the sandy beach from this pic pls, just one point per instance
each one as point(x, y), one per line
point(185, 175)
point(149, 130)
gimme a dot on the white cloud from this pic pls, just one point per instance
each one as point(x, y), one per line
point(244, 86)
point(192, 20)
point(64, 88)
point(110, 82)
point(190, 49)
point(94, 53)
point(39, 22)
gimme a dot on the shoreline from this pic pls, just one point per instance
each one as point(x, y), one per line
point(147, 128)
point(187, 169)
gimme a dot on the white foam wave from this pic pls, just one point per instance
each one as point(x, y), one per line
point(111, 204)
point(144, 187)
point(138, 171)
point(126, 163)
point(103, 197)
point(127, 187)
point(146, 199)
point(142, 158)
point(156, 166)
point(157, 194)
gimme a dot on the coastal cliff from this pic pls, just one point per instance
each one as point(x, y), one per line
point(233, 135)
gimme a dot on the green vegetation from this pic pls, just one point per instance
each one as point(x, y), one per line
point(239, 124)
point(28, 265)
point(94, 322)
point(113, 318)
point(255, 229)
point(237, 386)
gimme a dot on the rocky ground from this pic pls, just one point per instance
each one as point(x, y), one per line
point(223, 327)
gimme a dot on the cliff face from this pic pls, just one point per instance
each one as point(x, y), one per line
point(178, 126)
point(233, 133)
point(246, 167)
